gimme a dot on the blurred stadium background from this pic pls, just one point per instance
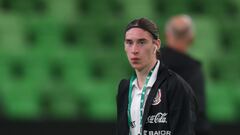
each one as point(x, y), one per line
point(61, 60)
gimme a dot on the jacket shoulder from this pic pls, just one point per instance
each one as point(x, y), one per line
point(178, 86)
point(123, 86)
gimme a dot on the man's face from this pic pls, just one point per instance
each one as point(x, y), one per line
point(140, 48)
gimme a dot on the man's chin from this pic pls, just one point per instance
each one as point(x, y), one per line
point(136, 66)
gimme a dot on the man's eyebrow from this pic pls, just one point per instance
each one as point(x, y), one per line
point(128, 39)
point(142, 39)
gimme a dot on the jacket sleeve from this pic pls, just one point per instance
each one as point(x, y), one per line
point(122, 125)
point(121, 88)
point(182, 107)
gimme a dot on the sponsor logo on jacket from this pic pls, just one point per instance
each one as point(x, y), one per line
point(160, 132)
point(157, 98)
point(158, 118)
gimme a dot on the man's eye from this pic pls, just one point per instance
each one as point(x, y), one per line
point(142, 42)
point(129, 42)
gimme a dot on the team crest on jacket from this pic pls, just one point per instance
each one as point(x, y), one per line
point(157, 98)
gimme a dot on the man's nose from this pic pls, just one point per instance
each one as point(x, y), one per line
point(135, 48)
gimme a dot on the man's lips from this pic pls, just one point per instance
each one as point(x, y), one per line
point(135, 59)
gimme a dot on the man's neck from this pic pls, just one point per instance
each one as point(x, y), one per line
point(142, 74)
point(179, 47)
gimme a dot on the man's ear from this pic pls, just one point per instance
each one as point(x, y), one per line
point(191, 39)
point(158, 43)
point(156, 48)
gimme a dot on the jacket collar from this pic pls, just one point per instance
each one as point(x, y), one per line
point(152, 79)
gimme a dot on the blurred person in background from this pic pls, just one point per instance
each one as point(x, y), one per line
point(155, 101)
point(179, 37)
